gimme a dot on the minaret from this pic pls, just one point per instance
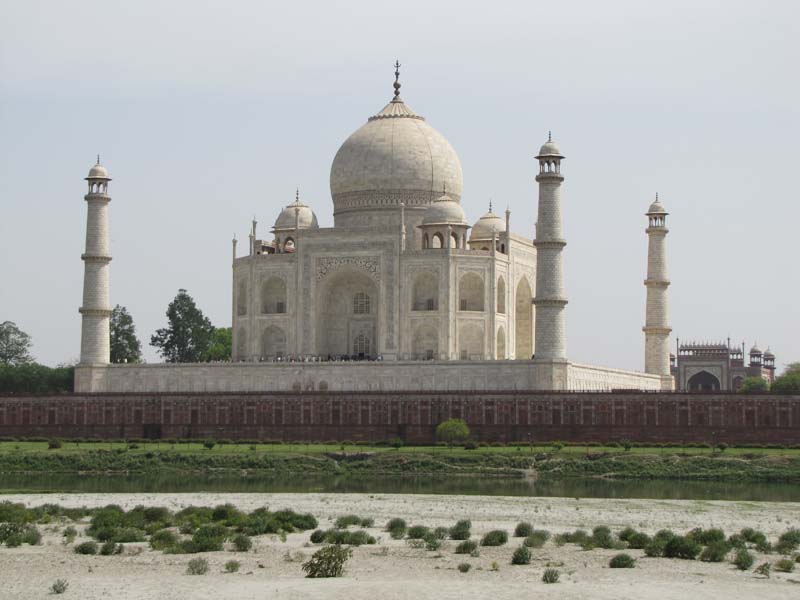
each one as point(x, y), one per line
point(96, 310)
point(550, 337)
point(656, 328)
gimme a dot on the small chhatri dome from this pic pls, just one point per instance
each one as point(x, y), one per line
point(486, 227)
point(550, 148)
point(656, 208)
point(755, 349)
point(444, 211)
point(768, 353)
point(296, 216)
point(98, 171)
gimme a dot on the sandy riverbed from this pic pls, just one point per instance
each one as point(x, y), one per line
point(392, 570)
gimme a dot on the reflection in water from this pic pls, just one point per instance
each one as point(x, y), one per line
point(570, 488)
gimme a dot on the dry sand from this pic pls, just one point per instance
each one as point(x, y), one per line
point(393, 570)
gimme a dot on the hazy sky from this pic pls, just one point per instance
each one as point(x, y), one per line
point(207, 113)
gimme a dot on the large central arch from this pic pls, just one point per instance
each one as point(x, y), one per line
point(347, 314)
point(703, 382)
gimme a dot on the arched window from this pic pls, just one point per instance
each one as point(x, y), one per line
point(501, 344)
point(273, 296)
point(425, 292)
point(437, 241)
point(470, 342)
point(470, 292)
point(361, 345)
point(241, 343)
point(273, 343)
point(241, 299)
point(523, 321)
point(501, 296)
point(361, 304)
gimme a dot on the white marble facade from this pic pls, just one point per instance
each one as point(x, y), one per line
point(401, 294)
point(400, 276)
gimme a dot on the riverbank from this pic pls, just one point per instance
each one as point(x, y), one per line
point(545, 463)
point(393, 569)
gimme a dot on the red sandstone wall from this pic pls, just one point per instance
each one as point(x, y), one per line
point(413, 416)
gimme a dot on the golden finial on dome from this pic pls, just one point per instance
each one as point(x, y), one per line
point(397, 79)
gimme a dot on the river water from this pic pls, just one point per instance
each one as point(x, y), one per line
point(571, 488)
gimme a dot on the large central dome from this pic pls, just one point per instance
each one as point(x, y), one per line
point(394, 158)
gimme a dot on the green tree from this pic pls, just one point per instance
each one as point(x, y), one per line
point(125, 346)
point(33, 378)
point(221, 345)
point(15, 345)
point(451, 431)
point(753, 384)
point(793, 367)
point(788, 383)
point(188, 334)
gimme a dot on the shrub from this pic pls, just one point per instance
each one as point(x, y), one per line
point(31, 536)
point(638, 540)
point(163, 539)
point(59, 586)
point(209, 538)
point(232, 566)
point(715, 552)
point(550, 576)
point(208, 445)
point(197, 566)
point(108, 548)
point(467, 547)
point(14, 540)
point(789, 541)
point(654, 548)
point(523, 529)
point(537, 538)
point(601, 536)
point(242, 543)
point(784, 565)
point(432, 542)
point(521, 556)
point(753, 536)
point(54, 444)
point(496, 537)
point(417, 532)
point(452, 431)
point(664, 535)
point(327, 562)
point(397, 528)
point(464, 567)
point(461, 530)
point(763, 569)
point(367, 522)
point(626, 534)
point(123, 535)
point(764, 547)
point(622, 561)
point(70, 533)
point(318, 536)
point(706, 536)
point(743, 559)
point(682, 547)
point(347, 520)
point(86, 548)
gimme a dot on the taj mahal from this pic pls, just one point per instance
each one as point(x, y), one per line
point(401, 294)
